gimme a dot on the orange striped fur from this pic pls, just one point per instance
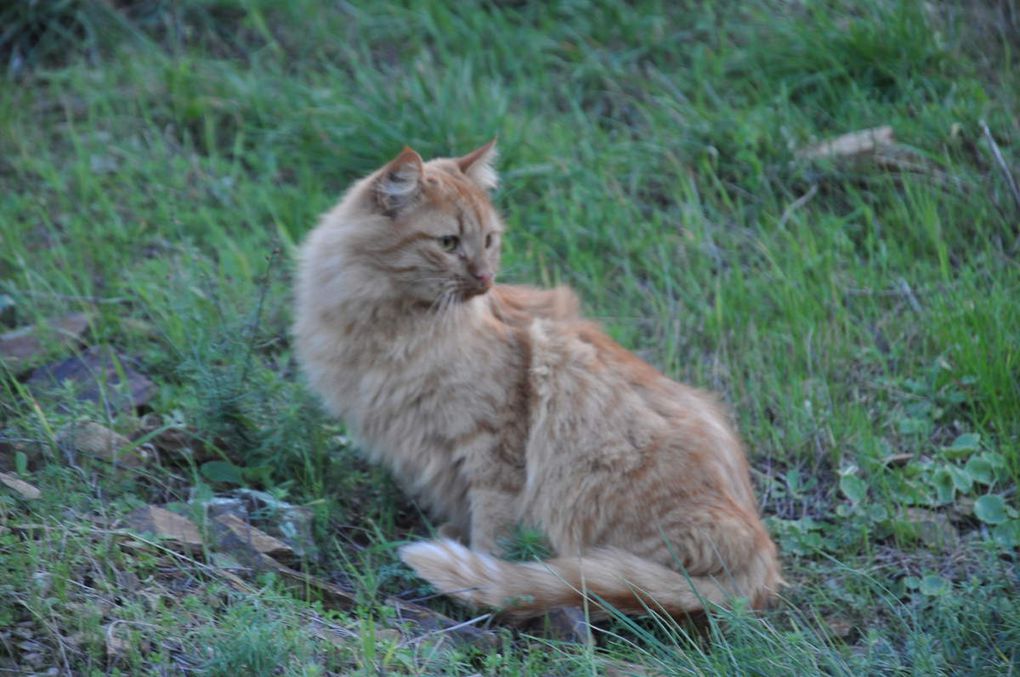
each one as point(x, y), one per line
point(500, 405)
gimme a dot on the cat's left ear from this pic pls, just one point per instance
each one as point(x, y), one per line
point(477, 166)
point(399, 183)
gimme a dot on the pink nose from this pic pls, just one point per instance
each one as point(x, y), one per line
point(484, 279)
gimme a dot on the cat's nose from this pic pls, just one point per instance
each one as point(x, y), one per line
point(484, 279)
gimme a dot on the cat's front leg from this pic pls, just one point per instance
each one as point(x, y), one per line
point(453, 531)
point(494, 476)
point(493, 517)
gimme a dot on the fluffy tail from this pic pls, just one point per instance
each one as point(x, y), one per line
point(605, 576)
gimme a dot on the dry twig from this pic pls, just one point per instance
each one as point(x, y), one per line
point(1001, 161)
point(797, 204)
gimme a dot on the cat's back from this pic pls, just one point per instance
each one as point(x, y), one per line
point(628, 410)
point(519, 305)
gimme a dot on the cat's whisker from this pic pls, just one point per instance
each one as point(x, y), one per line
point(436, 303)
point(450, 299)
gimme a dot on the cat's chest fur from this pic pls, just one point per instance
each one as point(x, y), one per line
point(420, 394)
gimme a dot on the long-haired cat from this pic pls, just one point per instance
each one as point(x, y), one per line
point(500, 405)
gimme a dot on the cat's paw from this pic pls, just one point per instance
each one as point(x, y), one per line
point(451, 531)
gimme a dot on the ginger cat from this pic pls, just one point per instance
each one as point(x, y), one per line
point(500, 405)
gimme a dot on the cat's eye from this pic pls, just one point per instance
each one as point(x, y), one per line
point(488, 240)
point(449, 243)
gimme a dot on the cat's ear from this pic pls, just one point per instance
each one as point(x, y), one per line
point(477, 165)
point(399, 183)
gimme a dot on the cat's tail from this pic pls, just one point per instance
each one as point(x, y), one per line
point(605, 577)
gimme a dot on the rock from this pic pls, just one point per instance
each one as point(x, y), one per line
point(229, 534)
point(290, 523)
point(128, 581)
point(218, 506)
point(962, 510)
point(179, 530)
point(24, 489)
point(233, 533)
point(388, 635)
point(287, 525)
point(96, 440)
point(841, 628)
point(851, 144)
point(115, 646)
point(97, 376)
point(934, 529)
point(19, 347)
point(242, 546)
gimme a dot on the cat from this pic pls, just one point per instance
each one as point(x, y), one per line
point(498, 405)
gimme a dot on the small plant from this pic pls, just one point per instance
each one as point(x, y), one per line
point(525, 544)
point(35, 32)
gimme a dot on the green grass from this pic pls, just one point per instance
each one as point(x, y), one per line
point(160, 161)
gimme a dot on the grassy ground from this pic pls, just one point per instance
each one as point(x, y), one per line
point(159, 161)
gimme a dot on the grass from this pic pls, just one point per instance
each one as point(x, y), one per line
point(159, 162)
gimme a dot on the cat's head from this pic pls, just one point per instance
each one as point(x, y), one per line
point(438, 236)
